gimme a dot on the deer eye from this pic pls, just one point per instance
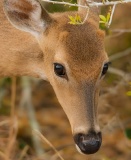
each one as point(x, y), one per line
point(59, 70)
point(105, 68)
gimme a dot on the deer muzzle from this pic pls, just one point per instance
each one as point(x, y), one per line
point(88, 143)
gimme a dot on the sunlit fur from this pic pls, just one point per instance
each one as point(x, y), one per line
point(79, 48)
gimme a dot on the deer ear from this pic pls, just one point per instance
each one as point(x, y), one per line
point(27, 15)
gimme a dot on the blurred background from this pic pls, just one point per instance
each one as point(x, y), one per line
point(28, 104)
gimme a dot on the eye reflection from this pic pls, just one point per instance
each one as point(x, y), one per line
point(59, 70)
point(105, 68)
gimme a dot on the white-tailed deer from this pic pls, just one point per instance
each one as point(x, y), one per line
point(72, 59)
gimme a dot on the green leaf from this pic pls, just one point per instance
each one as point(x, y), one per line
point(71, 23)
point(75, 20)
point(108, 17)
point(128, 133)
point(71, 18)
point(102, 22)
point(128, 93)
point(103, 18)
point(78, 18)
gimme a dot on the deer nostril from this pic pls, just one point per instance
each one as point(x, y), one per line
point(90, 143)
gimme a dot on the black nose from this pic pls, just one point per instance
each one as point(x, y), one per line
point(90, 143)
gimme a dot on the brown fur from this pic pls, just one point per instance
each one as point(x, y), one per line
point(80, 48)
point(19, 51)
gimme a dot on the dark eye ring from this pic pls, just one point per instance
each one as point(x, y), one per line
point(59, 70)
point(105, 68)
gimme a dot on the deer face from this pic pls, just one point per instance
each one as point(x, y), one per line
point(74, 63)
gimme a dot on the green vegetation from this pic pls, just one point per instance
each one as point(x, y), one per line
point(76, 20)
point(128, 133)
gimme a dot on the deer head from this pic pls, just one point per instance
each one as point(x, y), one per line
point(74, 62)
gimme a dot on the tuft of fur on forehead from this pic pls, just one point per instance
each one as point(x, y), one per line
point(84, 42)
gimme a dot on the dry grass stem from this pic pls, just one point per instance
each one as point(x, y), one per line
point(91, 3)
point(120, 54)
point(44, 139)
point(55, 156)
point(117, 72)
point(4, 123)
point(112, 13)
point(14, 125)
point(4, 156)
point(23, 153)
point(85, 19)
point(26, 101)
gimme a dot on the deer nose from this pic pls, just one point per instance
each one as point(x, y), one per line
point(90, 143)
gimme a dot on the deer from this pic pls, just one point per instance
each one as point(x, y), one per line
point(72, 58)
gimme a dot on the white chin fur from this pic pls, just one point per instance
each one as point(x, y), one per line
point(79, 150)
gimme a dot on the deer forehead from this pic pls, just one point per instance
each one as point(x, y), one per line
point(76, 45)
point(83, 44)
